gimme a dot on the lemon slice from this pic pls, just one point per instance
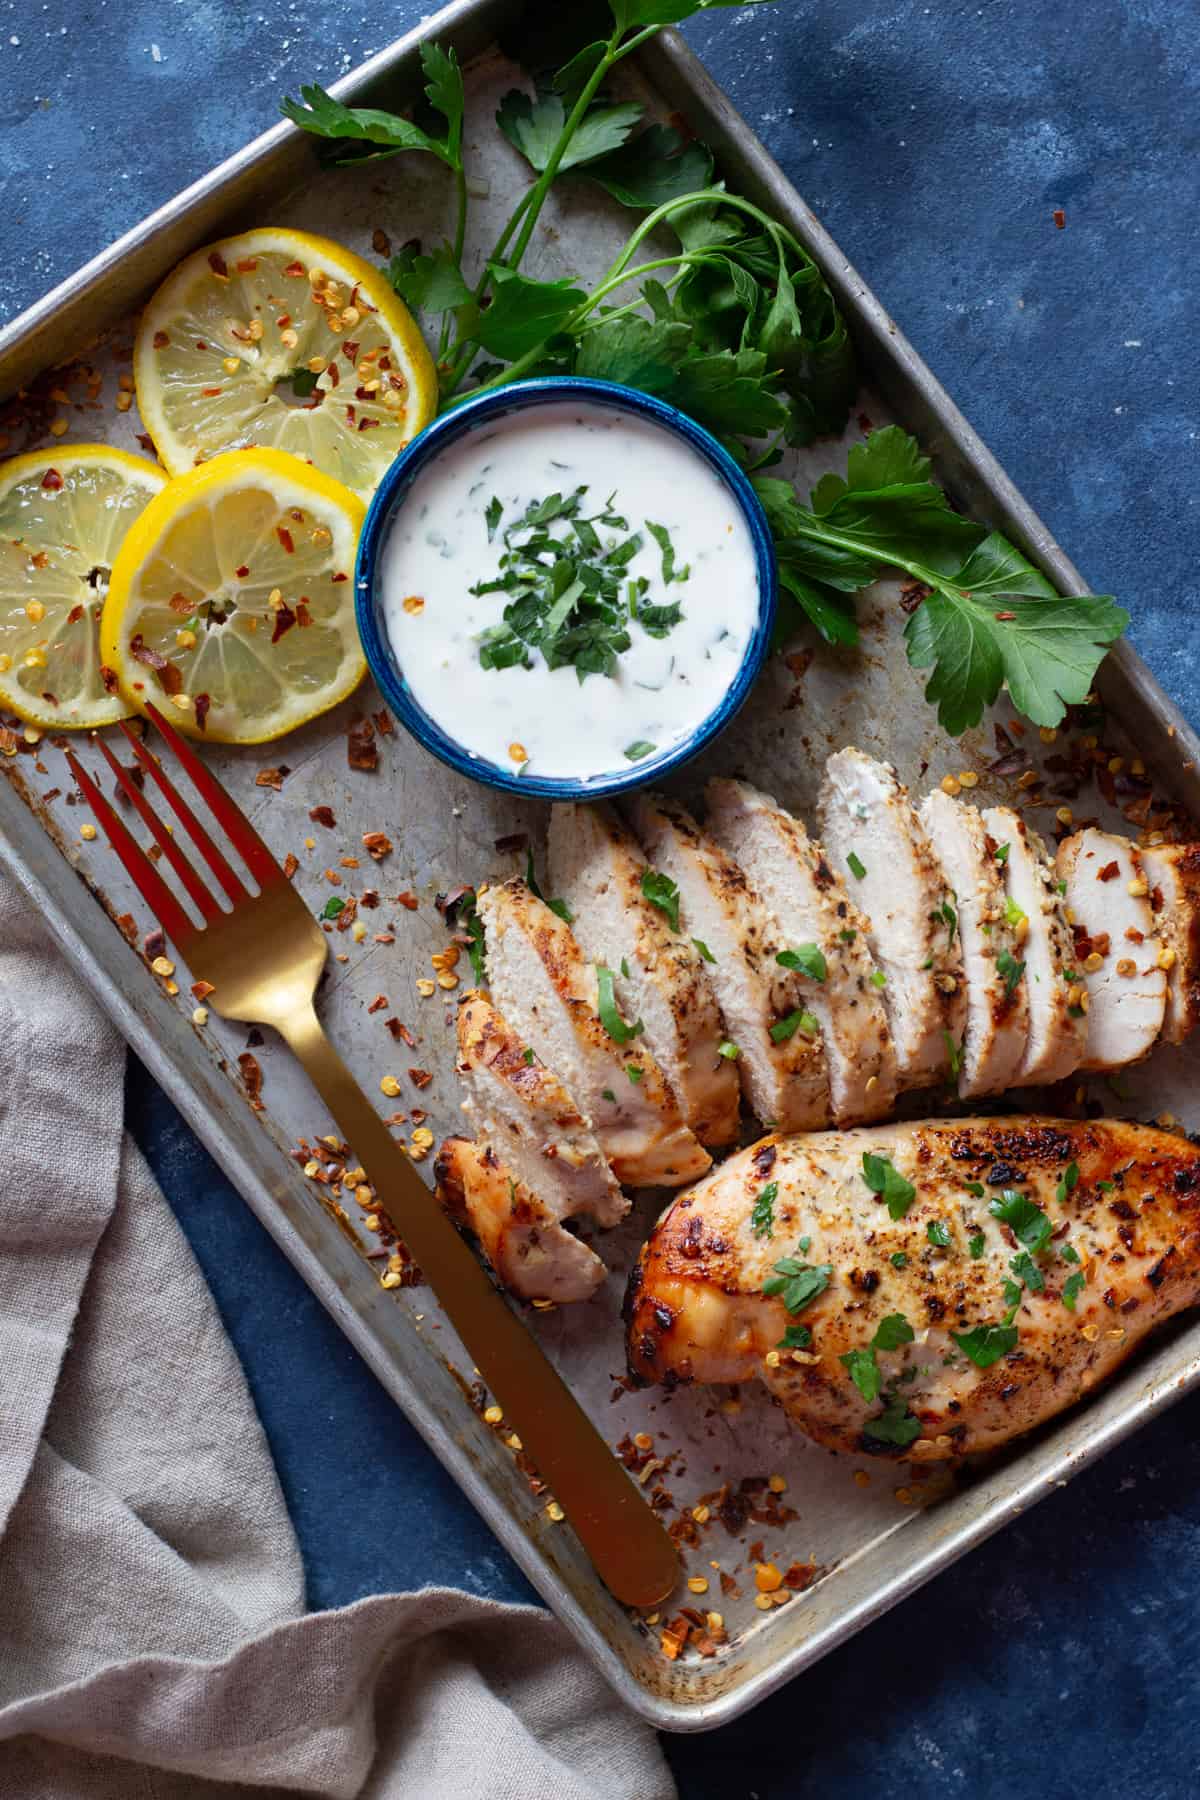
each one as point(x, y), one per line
point(63, 514)
point(232, 599)
point(279, 339)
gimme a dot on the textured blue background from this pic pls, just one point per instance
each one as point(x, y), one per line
point(935, 141)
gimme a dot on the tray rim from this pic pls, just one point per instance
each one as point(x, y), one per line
point(26, 346)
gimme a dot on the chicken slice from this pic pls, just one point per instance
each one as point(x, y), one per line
point(1173, 871)
point(1098, 1224)
point(779, 1054)
point(550, 996)
point(991, 934)
point(1117, 948)
point(813, 909)
point(658, 973)
point(877, 844)
point(531, 1252)
point(521, 1110)
point(1056, 1040)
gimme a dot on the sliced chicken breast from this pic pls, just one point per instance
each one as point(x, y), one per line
point(520, 1109)
point(531, 1252)
point(774, 1035)
point(659, 975)
point(879, 847)
point(814, 912)
point(1117, 947)
point(1173, 871)
point(881, 1340)
point(991, 934)
point(551, 997)
point(1056, 1038)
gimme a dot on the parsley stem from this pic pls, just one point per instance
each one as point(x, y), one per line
point(701, 197)
point(460, 238)
point(542, 185)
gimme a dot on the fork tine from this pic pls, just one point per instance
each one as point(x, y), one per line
point(161, 836)
point(146, 877)
point(228, 814)
point(191, 824)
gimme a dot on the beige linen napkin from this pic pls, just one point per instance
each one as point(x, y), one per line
point(153, 1640)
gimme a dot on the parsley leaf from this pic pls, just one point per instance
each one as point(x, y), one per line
point(524, 313)
point(1027, 1272)
point(729, 1050)
point(798, 1282)
point(656, 165)
point(663, 893)
point(1010, 971)
point(319, 113)
point(884, 1179)
point(807, 958)
point(986, 1344)
point(796, 1337)
point(783, 1029)
point(856, 866)
point(1001, 853)
point(534, 126)
point(431, 284)
point(976, 1246)
point(894, 1425)
point(639, 749)
point(704, 950)
point(610, 1016)
point(864, 1372)
point(493, 514)
point(1073, 1286)
point(1067, 1184)
point(893, 1331)
point(898, 1259)
point(938, 1233)
point(332, 908)
point(472, 923)
point(1028, 1223)
point(762, 1219)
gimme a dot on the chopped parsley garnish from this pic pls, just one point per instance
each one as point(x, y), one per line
point(559, 907)
point(974, 1187)
point(1073, 1286)
point(634, 1071)
point(893, 1331)
point(805, 1245)
point(884, 1179)
point(856, 866)
point(625, 967)
point(762, 1219)
point(607, 1094)
point(847, 936)
point(610, 1015)
point(1028, 1223)
point(527, 1055)
point(954, 1054)
point(1106, 1187)
point(729, 1049)
point(799, 1283)
point(894, 1425)
point(806, 959)
point(976, 1246)
point(898, 1259)
point(1010, 971)
point(662, 538)
point(1027, 1272)
point(662, 892)
point(938, 1233)
point(1061, 886)
point(332, 908)
point(986, 1344)
point(949, 918)
point(1001, 852)
point(878, 978)
point(1068, 1182)
point(1013, 914)
point(493, 514)
point(1069, 1254)
point(704, 950)
point(800, 1020)
point(864, 1372)
point(796, 1337)
point(638, 749)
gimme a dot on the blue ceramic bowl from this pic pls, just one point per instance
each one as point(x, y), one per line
point(390, 496)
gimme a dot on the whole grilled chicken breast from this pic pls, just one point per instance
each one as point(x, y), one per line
point(1009, 1265)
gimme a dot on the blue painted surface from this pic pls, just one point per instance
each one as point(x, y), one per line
point(936, 141)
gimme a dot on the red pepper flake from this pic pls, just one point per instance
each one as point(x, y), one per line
point(350, 350)
point(210, 393)
point(290, 865)
point(381, 243)
point(285, 618)
point(1005, 618)
point(401, 1033)
point(294, 268)
point(74, 616)
point(167, 673)
point(383, 722)
point(146, 441)
point(303, 616)
point(369, 898)
point(332, 375)
point(179, 603)
point(408, 900)
point(1060, 217)
point(154, 944)
point(160, 340)
point(271, 778)
point(377, 844)
point(109, 678)
point(251, 1079)
point(378, 1004)
point(283, 321)
point(246, 265)
point(1109, 872)
point(323, 815)
point(241, 571)
point(799, 1576)
point(361, 749)
point(385, 937)
point(420, 1078)
point(200, 344)
point(339, 578)
point(127, 926)
point(285, 538)
point(202, 989)
point(203, 707)
point(365, 424)
point(52, 481)
point(218, 265)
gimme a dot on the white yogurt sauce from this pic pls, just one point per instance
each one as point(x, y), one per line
point(541, 719)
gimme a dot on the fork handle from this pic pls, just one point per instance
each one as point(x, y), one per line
point(628, 1545)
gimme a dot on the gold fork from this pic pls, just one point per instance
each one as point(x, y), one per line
point(263, 960)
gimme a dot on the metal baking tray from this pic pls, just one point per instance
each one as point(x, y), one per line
point(870, 1536)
